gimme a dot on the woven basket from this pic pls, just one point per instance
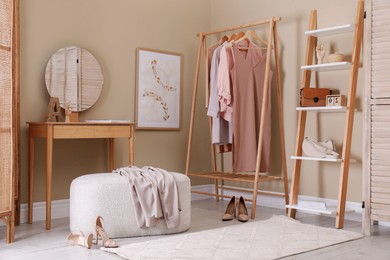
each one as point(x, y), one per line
point(336, 57)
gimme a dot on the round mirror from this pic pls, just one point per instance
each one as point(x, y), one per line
point(75, 77)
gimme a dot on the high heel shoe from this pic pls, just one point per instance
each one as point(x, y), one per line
point(242, 212)
point(230, 212)
point(106, 241)
point(78, 238)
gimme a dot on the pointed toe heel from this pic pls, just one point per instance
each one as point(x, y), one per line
point(230, 212)
point(242, 211)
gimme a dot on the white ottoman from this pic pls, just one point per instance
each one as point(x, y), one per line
point(108, 195)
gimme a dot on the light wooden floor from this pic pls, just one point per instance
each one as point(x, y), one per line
point(34, 242)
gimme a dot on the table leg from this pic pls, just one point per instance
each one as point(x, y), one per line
point(111, 154)
point(30, 174)
point(49, 164)
point(131, 146)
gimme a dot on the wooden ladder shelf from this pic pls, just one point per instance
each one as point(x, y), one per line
point(353, 67)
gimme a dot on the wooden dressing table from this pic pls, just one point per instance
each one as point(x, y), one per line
point(73, 130)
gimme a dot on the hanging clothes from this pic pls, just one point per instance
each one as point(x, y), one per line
point(210, 53)
point(248, 73)
point(224, 82)
point(221, 129)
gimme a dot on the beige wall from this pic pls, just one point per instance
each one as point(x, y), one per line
point(111, 30)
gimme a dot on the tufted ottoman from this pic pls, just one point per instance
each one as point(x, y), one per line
point(108, 195)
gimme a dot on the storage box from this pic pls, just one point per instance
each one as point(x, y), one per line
point(313, 97)
point(336, 100)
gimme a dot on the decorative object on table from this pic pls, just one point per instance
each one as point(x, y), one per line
point(313, 97)
point(74, 75)
point(53, 110)
point(68, 111)
point(158, 97)
point(324, 149)
point(320, 53)
point(336, 100)
point(336, 57)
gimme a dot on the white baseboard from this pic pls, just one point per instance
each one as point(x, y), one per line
point(278, 202)
point(60, 208)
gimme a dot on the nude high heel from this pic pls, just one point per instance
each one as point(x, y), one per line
point(78, 238)
point(242, 212)
point(230, 212)
point(106, 241)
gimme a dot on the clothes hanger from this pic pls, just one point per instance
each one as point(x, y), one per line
point(223, 39)
point(239, 36)
point(255, 36)
point(252, 34)
point(231, 37)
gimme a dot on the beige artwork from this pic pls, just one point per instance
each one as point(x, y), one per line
point(158, 92)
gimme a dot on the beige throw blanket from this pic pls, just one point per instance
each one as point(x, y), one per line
point(154, 194)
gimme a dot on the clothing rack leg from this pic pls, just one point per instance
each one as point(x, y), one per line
point(207, 92)
point(263, 106)
point(193, 108)
point(280, 114)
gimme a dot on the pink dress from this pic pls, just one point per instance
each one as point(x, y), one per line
point(248, 74)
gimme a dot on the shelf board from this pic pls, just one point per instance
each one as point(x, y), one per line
point(345, 28)
point(344, 65)
point(327, 210)
point(323, 109)
point(308, 158)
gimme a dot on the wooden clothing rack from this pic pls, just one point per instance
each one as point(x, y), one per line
point(254, 178)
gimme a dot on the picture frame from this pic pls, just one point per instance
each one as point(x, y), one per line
point(158, 89)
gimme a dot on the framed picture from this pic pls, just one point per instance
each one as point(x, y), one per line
point(158, 90)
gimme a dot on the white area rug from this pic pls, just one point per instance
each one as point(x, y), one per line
point(273, 238)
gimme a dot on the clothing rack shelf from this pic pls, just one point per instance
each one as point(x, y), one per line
point(308, 68)
point(231, 176)
point(253, 177)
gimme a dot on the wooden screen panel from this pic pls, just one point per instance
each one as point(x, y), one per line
point(380, 48)
point(6, 137)
point(380, 163)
